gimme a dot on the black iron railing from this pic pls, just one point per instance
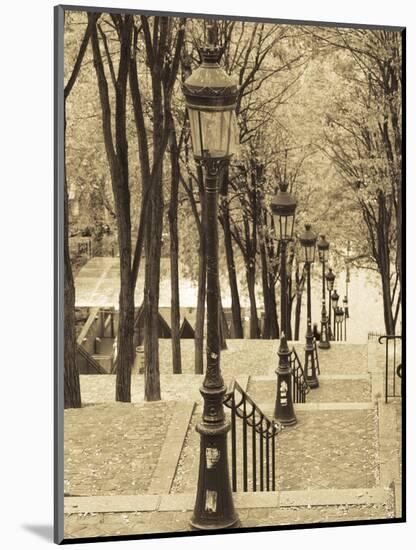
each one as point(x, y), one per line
point(258, 442)
point(316, 357)
point(300, 387)
point(393, 365)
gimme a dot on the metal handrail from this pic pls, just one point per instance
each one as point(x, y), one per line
point(300, 387)
point(90, 360)
point(391, 371)
point(263, 440)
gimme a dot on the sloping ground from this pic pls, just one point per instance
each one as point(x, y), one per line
point(332, 456)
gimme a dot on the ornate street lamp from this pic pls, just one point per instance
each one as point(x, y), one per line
point(334, 304)
point(283, 207)
point(308, 242)
point(330, 279)
point(211, 101)
point(346, 314)
point(323, 250)
point(339, 318)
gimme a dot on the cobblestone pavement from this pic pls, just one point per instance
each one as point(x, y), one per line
point(136, 523)
point(244, 358)
point(241, 357)
point(111, 445)
point(326, 449)
point(174, 387)
point(113, 449)
point(343, 359)
point(264, 391)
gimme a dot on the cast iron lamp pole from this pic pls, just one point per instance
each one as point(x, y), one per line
point(330, 278)
point(323, 250)
point(308, 243)
point(334, 304)
point(211, 101)
point(346, 314)
point(283, 207)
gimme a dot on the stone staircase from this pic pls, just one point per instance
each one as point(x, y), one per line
point(340, 462)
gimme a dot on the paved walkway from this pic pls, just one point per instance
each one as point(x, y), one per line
point(113, 449)
point(339, 463)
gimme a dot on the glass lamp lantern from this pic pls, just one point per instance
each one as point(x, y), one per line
point(323, 248)
point(307, 240)
point(339, 314)
point(334, 299)
point(330, 278)
point(211, 96)
point(283, 207)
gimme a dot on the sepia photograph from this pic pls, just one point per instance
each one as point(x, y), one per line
point(228, 209)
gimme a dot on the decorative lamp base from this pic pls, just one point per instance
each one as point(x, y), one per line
point(214, 507)
point(283, 410)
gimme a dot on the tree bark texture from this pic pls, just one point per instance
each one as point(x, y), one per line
point(202, 276)
point(251, 282)
point(72, 391)
point(174, 245)
point(237, 327)
point(117, 156)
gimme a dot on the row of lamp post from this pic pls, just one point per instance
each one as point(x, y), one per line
point(338, 330)
point(211, 97)
point(283, 207)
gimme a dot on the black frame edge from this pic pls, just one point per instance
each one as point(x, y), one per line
point(58, 468)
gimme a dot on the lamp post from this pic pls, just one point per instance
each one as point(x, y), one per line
point(211, 100)
point(339, 319)
point(323, 251)
point(283, 207)
point(308, 242)
point(346, 314)
point(334, 304)
point(330, 278)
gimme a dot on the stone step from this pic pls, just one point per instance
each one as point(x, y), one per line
point(332, 388)
point(271, 499)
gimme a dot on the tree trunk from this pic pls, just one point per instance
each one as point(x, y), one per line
point(274, 324)
point(251, 281)
point(151, 290)
point(174, 271)
point(200, 309)
point(289, 308)
point(202, 278)
point(117, 156)
point(72, 392)
point(237, 327)
point(125, 347)
point(223, 330)
point(266, 293)
point(384, 260)
point(298, 310)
